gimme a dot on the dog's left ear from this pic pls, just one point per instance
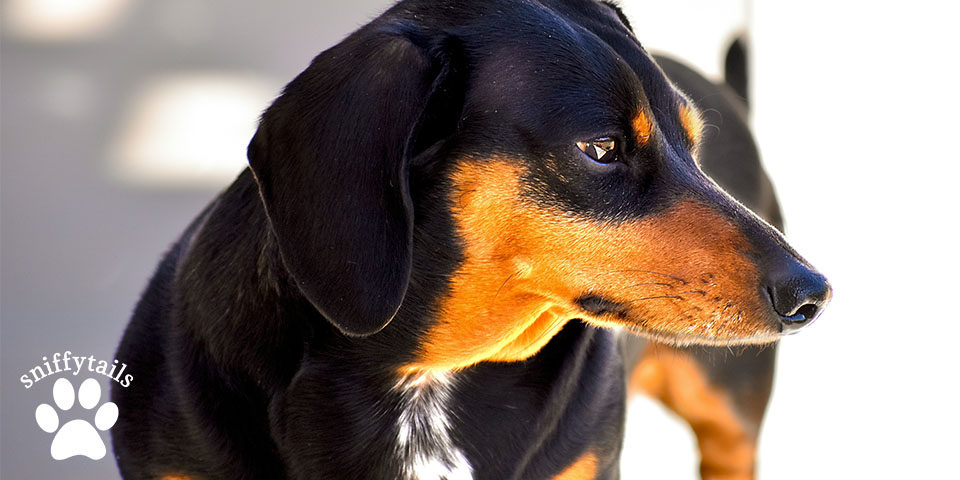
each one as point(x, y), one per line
point(331, 159)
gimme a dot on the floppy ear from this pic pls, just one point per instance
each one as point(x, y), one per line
point(330, 157)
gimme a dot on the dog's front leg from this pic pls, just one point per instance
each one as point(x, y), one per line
point(721, 393)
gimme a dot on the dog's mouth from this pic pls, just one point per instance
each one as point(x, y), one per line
point(681, 321)
point(683, 340)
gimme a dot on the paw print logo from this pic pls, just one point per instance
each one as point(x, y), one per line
point(76, 437)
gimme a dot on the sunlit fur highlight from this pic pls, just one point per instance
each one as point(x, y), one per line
point(692, 123)
point(682, 274)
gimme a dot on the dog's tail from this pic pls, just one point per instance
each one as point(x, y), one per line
point(735, 68)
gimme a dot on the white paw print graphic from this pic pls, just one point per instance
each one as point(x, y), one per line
point(77, 437)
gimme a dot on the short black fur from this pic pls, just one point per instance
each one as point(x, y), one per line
point(266, 344)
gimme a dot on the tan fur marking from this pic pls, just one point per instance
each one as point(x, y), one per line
point(177, 477)
point(692, 123)
point(682, 274)
point(642, 127)
point(727, 448)
point(585, 468)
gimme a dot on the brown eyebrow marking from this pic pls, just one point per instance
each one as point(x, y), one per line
point(642, 127)
point(692, 123)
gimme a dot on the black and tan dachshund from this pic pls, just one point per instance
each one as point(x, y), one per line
point(467, 233)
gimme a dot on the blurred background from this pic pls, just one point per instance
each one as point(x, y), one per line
point(121, 119)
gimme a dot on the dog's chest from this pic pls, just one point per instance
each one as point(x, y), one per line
point(424, 443)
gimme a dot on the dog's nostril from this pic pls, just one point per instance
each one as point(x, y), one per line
point(804, 315)
point(808, 311)
point(799, 297)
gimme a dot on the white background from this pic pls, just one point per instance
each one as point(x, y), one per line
point(855, 109)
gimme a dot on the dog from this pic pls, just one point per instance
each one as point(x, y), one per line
point(468, 232)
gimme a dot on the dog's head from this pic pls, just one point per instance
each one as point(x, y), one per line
point(495, 169)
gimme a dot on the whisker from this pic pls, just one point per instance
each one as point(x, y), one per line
point(649, 283)
point(654, 298)
point(504, 284)
point(637, 270)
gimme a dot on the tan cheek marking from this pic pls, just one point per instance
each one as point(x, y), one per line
point(488, 315)
point(177, 477)
point(692, 123)
point(585, 468)
point(727, 448)
point(681, 272)
point(642, 127)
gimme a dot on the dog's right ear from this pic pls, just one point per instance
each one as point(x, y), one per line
point(331, 160)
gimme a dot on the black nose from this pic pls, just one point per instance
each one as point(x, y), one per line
point(798, 294)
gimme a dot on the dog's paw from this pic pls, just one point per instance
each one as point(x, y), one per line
point(76, 437)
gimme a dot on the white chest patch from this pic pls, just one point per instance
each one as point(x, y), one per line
point(423, 440)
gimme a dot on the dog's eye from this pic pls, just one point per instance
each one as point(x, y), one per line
point(600, 150)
